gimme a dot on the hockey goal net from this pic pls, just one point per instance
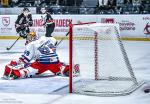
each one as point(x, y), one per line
point(105, 69)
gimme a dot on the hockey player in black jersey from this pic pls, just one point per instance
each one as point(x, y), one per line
point(23, 22)
point(48, 22)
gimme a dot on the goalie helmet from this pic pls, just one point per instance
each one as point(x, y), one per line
point(32, 36)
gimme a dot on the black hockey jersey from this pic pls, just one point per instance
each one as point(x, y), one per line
point(21, 20)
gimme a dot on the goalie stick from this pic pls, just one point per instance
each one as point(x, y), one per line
point(61, 39)
point(8, 48)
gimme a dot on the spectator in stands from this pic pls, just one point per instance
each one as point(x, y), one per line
point(60, 2)
point(37, 3)
point(141, 7)
point(21, 3)
point(4, 3)
point(127, 2)
point(119, 2)
point(102, 6)
point(70, 2)
point(106, 6)
point(0, 3)
point(102, 2)
point(111, 4)
point(43, 3)
point(13, 3)
point(78, 2)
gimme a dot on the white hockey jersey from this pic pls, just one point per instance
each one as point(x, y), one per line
point(42, 50)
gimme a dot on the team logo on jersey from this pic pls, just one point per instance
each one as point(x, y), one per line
point(27, 53)
point(147, 29)
point(6, 21)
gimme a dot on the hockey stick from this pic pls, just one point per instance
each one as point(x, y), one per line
point(62, 39)
point(8, 48)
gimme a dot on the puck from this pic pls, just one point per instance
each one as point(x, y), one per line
point(147, 90)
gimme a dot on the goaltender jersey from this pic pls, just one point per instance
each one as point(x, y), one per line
point(42, 50)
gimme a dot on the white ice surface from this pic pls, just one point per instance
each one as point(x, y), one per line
point(44, 90)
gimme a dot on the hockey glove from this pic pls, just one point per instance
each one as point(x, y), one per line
point(23, 34)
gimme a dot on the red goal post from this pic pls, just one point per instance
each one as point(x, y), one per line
point(70, 51)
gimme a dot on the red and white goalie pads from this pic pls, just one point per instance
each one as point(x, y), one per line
point(65, 70)
point(15, 71)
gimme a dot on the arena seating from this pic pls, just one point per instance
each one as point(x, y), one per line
point(82, 6)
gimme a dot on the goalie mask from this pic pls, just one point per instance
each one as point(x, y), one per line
point(32, 36)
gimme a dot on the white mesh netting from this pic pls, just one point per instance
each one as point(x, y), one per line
point(104, 66)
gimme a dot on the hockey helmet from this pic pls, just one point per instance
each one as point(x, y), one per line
point(26, 9)
point(32, 36)
point(43, 9)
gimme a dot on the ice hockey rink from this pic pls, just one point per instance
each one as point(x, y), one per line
point(54, 89)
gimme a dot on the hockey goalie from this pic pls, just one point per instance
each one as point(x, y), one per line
point(39, 56)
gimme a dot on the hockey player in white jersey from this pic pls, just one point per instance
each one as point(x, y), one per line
point(43, 52)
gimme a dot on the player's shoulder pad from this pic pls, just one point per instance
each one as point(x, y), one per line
point(20, 15)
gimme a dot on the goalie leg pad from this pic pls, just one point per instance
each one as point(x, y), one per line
point(13, 63)
point(65, 70)
point(7, 70)
point(28, 72)
point(11, 71)
point(76, 70)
